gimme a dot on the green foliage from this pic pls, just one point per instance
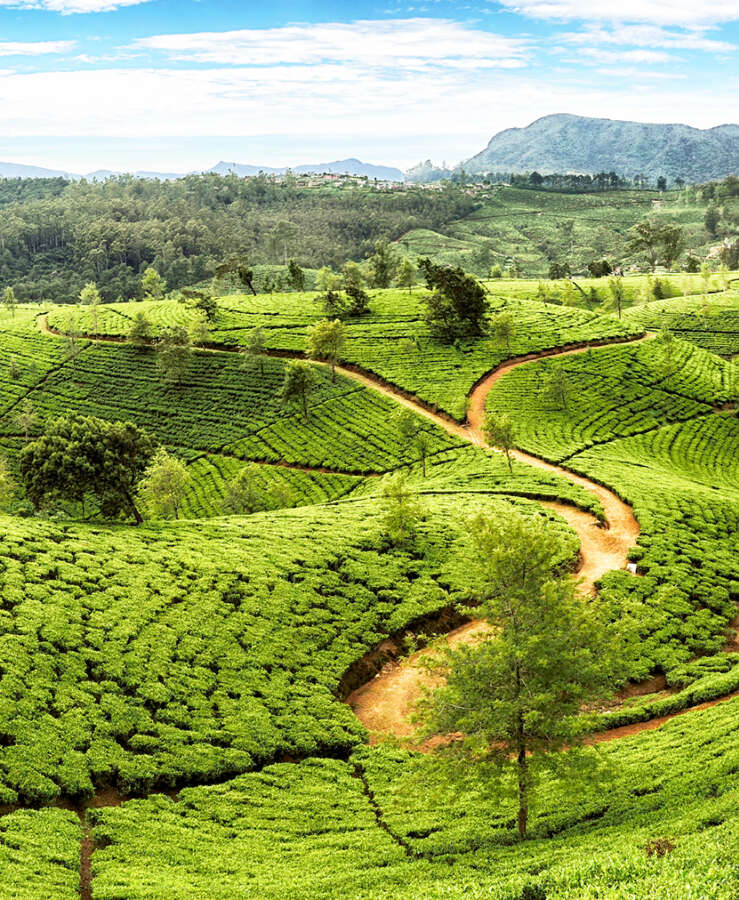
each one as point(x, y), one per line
point(516, 695)
point(208, 305)
point(243, 493)
point(407, 272)
point(153, 286)
point(709, 322)
point(326, 340)
point(502, 327)
point(300, 382)
point(40, 854)
point(163, 485)
point(679, 782)
point(383, 264)
point(80, 455)
point(438, 373)
point(413, 432)
point(295, 276)
point(173, 353)
point(458, 305)
point(402, 509)
point(9, 300)
point(500, 432)
point(140, 332)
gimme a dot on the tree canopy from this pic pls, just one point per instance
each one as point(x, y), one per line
point(515, 697)
point(78, 456)
point(458, 305)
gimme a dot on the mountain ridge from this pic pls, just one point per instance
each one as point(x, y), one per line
point(350, 166)
point(566, 143)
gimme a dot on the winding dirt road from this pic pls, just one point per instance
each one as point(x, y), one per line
point(384, 705)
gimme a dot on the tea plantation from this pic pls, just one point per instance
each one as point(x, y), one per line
point(197, 669)
point(271, 834)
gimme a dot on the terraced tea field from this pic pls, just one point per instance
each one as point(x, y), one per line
point(178, 688)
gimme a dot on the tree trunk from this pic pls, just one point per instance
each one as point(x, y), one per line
point(136, 514)
point(523, 790)
point(510, 464)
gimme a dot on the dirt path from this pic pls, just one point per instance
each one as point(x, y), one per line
point(385, 703)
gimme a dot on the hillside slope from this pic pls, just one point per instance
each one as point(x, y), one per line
point(567, 143)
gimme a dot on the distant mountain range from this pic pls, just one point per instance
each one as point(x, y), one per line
point(338, 167)
point(558, 143)
point(576, 144)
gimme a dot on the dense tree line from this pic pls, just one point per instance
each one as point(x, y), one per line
point(55, 236)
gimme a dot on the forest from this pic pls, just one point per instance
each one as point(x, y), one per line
point(56, 236)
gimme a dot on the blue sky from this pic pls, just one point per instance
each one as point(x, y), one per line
point(176, 85)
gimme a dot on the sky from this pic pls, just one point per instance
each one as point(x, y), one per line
point(177, 85)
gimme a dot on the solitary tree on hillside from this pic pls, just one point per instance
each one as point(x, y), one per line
point(208, 305)
point(401, 509)
point(383, 264)
point(295, 276)
point(645, 238)
point(326, 341)
point(163, 485)
point(140, 332)
point(500, 433)
point(244, 494)
point(255, 349)
point(706, 276)
point(9, 300)
point(352, 276)
point(407, 272)
point(90, 296)
point(72, 344)
point(412, 431)
point(615, 294)
point(502, 327)
point(711, 219)
point(238, 267)
point(153, 286)
point(300, 382)
point(458, 305)
point(26, 417)
point(173, 353)
point(516, 697)
point(83, 455)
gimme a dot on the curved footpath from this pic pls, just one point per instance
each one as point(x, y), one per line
point(384, 705)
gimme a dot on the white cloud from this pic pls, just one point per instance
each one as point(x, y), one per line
point(71, 6)
point(334, 100)
point(659, 12)
point(636, 57)
point(401, 43)
point(648, 36)
point(34, 48)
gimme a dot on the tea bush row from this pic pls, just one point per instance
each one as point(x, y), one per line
point(310, 830)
